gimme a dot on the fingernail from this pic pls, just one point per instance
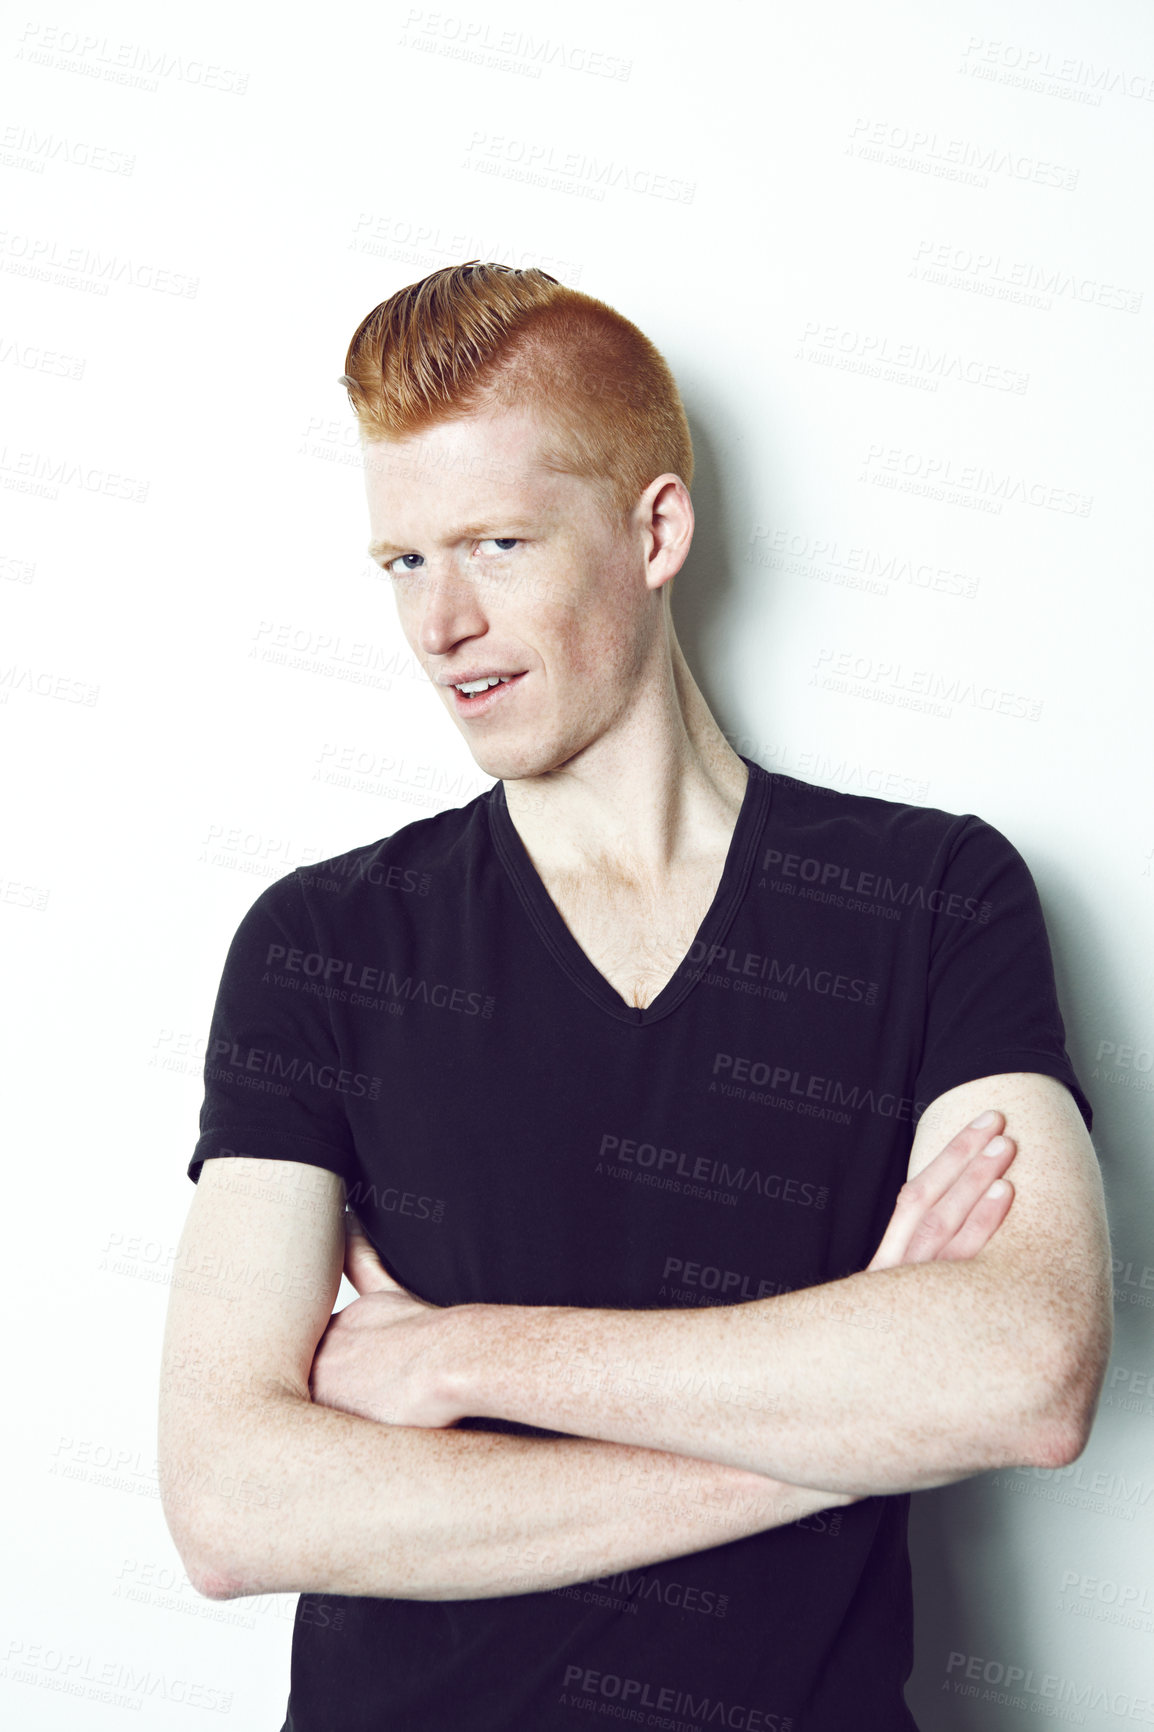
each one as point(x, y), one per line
point(998, 1188)
point(996, 1146)
point(980, 1124)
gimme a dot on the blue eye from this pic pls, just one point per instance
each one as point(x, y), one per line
point(401, 557)
point(410, 562)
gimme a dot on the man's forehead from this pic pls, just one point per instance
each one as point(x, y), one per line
point(496, 447)
point(443, 486)
point(391, 465)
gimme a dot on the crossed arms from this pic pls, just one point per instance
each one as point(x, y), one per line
point(285, 1468)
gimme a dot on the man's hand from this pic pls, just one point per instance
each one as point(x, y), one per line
point(376, 1358)
point(382, 1356)
point(956, 1204)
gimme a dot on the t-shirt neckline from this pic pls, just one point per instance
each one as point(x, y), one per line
point(563, 946)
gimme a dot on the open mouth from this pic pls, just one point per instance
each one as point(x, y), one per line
point(474, 702)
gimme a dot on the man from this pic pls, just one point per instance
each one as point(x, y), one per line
point(668, 1095)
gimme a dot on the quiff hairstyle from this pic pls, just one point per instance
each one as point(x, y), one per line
point(476, 338)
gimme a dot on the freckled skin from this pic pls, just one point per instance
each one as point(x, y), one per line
point(571, 605)
point(620, 783)
point(612, 762)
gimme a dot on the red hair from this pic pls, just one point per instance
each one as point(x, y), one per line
point(476, 338)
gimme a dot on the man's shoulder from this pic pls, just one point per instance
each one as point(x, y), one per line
point(420, 859)
point(829, 845)
point(812, 807)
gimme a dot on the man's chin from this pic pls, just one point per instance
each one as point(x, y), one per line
point(510, 762)
point(507, 766)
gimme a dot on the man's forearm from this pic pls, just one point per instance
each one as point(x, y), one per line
point(883, 1382)
point(302, 1498)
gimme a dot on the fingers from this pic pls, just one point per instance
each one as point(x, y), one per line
point(980, 1225)
point(939, 1224)
point(363, 1268)
point(931, 1208)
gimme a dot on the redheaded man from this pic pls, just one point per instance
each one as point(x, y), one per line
point(701, 1143)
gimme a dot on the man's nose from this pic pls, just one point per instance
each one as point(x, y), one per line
point(450, 611)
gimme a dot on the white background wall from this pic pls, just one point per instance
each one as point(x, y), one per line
point(899, 258)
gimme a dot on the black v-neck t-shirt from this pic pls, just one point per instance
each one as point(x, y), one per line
point(415, 1016)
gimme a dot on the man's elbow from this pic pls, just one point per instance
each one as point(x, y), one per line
point(1057, 1440)
point(213, 1585)
point(212, 1574)
point(1064, 1413)
point(221, 1492)
point(220, 1522)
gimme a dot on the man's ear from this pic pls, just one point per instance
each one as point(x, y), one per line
point(671, 521)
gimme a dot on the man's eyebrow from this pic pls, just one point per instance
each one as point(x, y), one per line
point(467, 532)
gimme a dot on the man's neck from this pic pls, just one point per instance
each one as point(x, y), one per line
point(658, 797)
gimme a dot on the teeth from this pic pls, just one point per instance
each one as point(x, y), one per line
point(472, 686)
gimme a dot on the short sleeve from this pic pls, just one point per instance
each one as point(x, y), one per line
point(272, 1072)
point(992, 1005)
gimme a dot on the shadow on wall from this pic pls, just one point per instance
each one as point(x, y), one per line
point(973, 1594)
point(980, 1592)
point(714, 572)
